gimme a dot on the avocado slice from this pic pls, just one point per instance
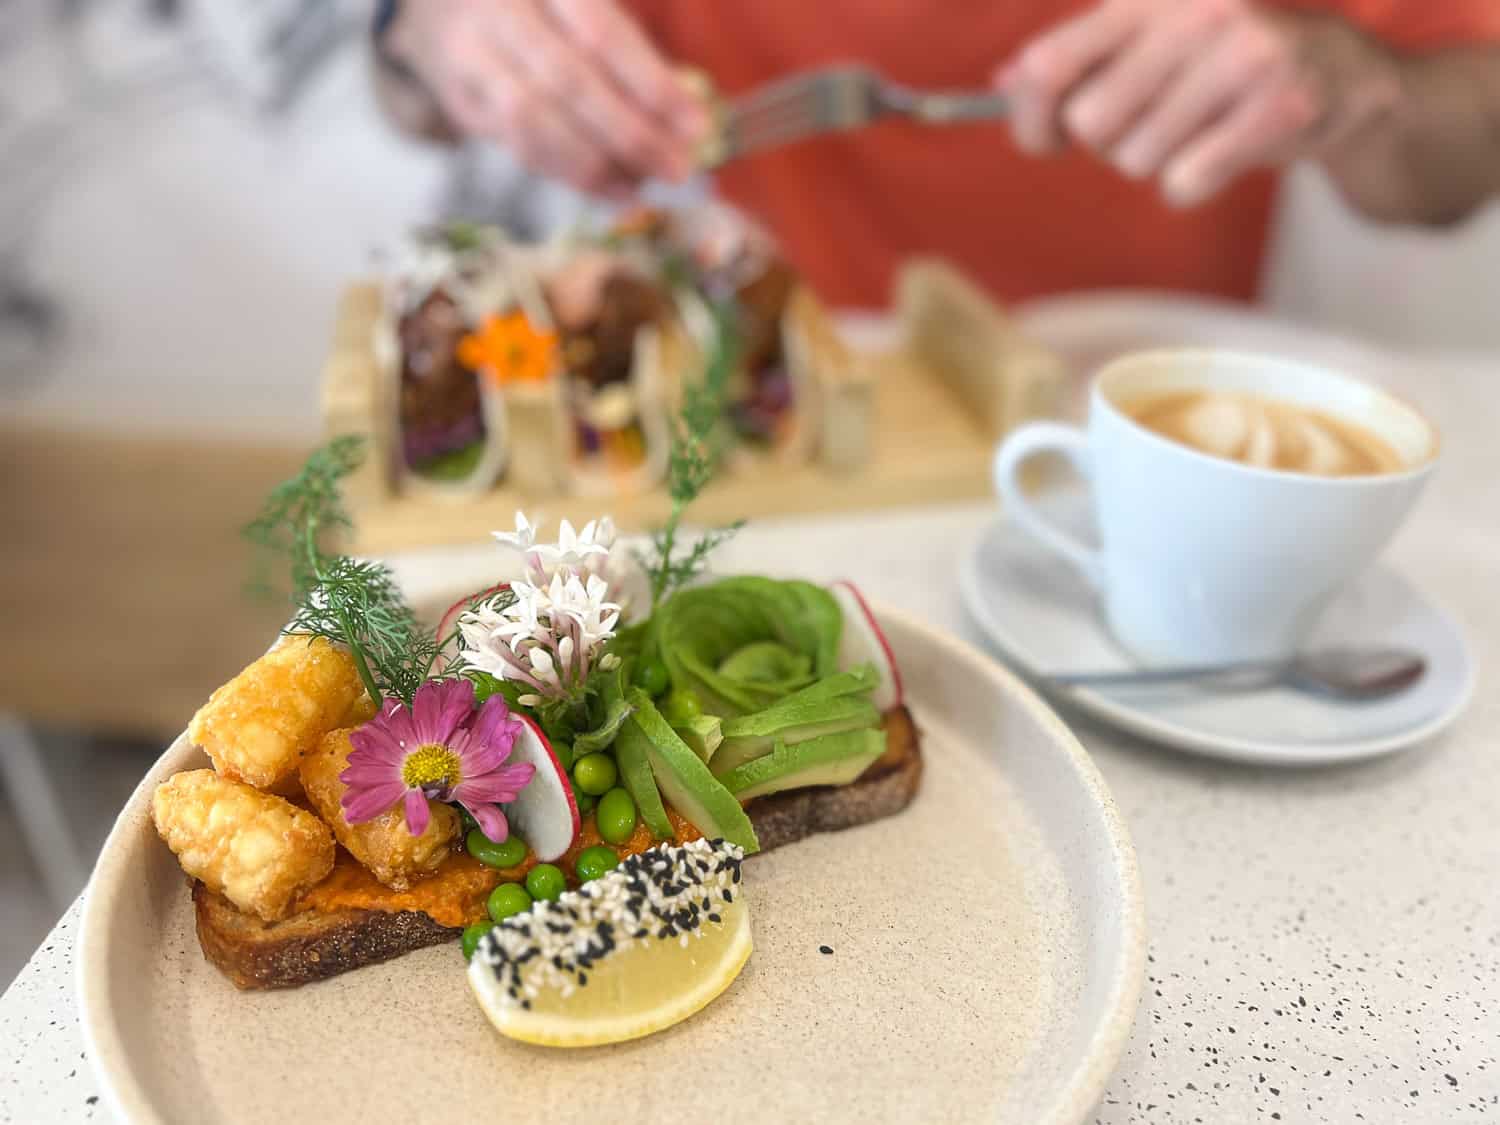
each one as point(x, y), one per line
point(795, 719)
point(685, 781)
point(833, 759)
point(703, 734)
point(682, 709)
point(631, 746)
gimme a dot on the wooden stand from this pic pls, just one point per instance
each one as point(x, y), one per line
point(917, 425)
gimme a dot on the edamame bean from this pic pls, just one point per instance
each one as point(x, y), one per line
point(595, 862)
point(470, 940)
point(586, 802)
point(544, 881)
point(508, 899)
point(615, 816)
point(491, 854)
point(595, 774)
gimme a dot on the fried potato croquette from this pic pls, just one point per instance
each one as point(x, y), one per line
point(393, 855)
point(360, 712)
point(258, 851)
point(257, 726)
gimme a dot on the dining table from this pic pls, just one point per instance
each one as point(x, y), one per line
point(1324, 942)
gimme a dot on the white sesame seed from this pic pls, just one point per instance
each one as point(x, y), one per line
point(660, 891)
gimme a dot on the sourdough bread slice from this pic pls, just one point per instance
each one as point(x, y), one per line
point(306, 947)
point(315, 945)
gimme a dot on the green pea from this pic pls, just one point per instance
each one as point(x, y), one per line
point(616, 816)
point(595, 862)
point(681, 707)
point(508, 899)
point(486, 851)
point(595, 774)
point(470, 940)
point(545, 881)
point(586, 802)
point(652, 676)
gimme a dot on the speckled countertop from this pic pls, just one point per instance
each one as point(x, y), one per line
point(1325, 945)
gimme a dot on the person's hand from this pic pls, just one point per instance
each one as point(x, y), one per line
point(572, 87)
point(1195, 92)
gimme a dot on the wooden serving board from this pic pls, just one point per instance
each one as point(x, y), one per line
point(941, 402)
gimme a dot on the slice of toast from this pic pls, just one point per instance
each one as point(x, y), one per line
point(313, 946)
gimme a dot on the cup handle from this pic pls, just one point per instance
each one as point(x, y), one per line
point(1014, 452)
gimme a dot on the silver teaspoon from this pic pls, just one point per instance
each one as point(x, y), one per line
point(1340, 673)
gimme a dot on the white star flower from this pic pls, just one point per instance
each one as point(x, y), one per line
point(560, 617)
point(522, 538)
point(586, 551)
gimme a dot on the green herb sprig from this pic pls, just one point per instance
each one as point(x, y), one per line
point(692, 460)
point(300, 512)
point(353, 602)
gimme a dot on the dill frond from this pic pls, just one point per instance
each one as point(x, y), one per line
point(300, 511)
point(693, 457)
point(353, 602)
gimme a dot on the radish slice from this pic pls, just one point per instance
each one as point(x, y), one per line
point(448, 625)
point(545, 814)
point(864, 643)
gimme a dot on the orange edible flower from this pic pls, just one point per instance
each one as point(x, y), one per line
point(508, 349)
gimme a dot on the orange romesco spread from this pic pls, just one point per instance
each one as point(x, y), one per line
point(455, 894)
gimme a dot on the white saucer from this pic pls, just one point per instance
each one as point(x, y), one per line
point(1042, 617)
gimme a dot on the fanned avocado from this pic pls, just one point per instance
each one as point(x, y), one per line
point(741, 644)
point(686, 782)
point(768, 664)
point(840, 702)
point(834, 759)
point(753, 736)
point(631, 746)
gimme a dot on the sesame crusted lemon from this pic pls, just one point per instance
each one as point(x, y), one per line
point(631, 953)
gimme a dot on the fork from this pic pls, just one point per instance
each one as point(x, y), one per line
point(837, 99)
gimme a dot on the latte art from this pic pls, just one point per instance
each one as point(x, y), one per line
point(1266, 433)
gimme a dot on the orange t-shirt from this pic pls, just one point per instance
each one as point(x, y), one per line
point(849, 208)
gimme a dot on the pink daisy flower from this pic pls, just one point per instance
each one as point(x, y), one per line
point(438, 749)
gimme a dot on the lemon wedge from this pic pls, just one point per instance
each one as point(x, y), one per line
point(632, 953)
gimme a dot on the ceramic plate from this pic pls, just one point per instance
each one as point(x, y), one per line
point(1043, 618)
point(988, 948)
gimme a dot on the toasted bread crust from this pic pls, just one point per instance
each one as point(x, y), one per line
point(305, 947)
point(314, 946)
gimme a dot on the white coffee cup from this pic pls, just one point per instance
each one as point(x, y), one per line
point(1204, 559)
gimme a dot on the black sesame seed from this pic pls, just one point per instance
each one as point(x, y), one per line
point(825, 949)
